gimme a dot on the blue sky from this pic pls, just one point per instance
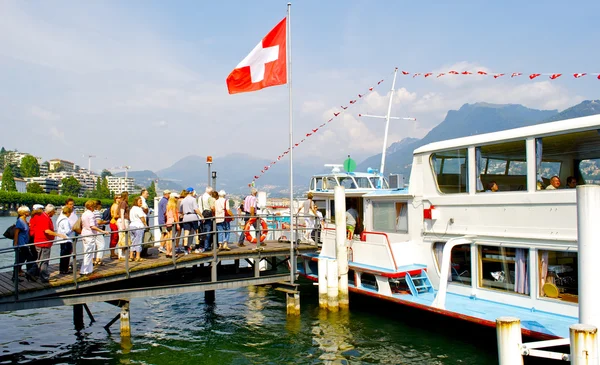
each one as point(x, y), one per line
point(119, 79)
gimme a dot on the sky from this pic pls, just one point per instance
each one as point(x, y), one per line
point(142, 83)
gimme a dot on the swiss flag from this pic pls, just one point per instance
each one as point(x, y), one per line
point(265, 66)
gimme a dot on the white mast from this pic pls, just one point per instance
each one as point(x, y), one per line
point(387, 125)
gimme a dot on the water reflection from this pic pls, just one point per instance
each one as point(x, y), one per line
point(331, 332)
point(255, 305)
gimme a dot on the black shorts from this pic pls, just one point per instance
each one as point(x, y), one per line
point(190, 226)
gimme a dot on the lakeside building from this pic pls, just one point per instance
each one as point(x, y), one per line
point(87, 181)
point(67, 166)
point(44, 166)
point(118, 184)
point(15, 158)
point(46, 183)
point(20, 183)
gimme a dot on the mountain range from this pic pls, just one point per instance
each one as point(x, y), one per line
point(233, 170)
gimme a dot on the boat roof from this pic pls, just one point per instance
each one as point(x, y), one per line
point(387, 192)
point(538, 130)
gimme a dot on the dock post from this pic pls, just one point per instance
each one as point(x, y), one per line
point(78, 317)
point(508, 332)
point(588, 210)
point(125, 326)
point(332, 285)
point(209, 296)
point(584, 344)
point(293, 303)
point(341, 250)
point(322, 267)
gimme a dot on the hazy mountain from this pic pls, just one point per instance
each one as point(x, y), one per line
point(470, 119)
point(236, 171)
point(375, 160)
point(585, 108)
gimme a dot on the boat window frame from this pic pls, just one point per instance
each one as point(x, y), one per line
point(395, 202)
point(442, 162)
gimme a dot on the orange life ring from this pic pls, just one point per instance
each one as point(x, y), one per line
point(249, 224)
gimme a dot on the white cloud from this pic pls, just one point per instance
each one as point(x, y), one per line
point(161, 124)
point(43, 114)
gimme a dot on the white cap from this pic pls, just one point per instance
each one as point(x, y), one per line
point(222, 193)
point(38, 206)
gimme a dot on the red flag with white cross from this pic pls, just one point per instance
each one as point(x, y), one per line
point(265, 65)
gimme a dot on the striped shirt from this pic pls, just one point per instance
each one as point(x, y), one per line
point(249, 202)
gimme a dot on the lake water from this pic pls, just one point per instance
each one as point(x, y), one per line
point(243, 326)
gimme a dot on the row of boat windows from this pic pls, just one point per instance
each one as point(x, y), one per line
point(571, 154)
point(508, 269)
point(349, 182)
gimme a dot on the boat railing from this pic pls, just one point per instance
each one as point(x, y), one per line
point(276, 228)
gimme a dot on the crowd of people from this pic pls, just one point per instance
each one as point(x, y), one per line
point(186, 223)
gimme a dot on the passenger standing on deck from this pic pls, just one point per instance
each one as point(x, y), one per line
point(205, 203)
point(36, 213)
point(114, 235)
point(172, 224)
point(89, 230)
point(123, 224)
point(66, 246)
point(138, 224)
point(73, 217)
point(222, 225)
point(351, 221)
point(191, 216)
point(43, 235)
point(21, 239)
point(250, 208)
point(162, 220)
point(309, 212)
point(100, 242)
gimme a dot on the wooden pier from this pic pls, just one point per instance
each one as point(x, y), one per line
point(156, 275)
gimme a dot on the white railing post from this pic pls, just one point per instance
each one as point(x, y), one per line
point(341, 251)
point(588, 245)
point(584, 344)
point(508, 332)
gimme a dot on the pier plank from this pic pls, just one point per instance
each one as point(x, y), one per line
point(153, 264)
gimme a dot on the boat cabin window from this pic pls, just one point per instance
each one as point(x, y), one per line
point(451, 170)
point(316, 183)
point(363, 182)
point(558, 275)
point(568, 155)
point(502, 164)
point(390, 216)
point(348, 182)
point(460, 262)
point(329, 183)
point(504, 268)
point(376, 181)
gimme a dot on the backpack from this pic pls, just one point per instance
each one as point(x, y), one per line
point(10, 232)
point(227, 214)
point(77, 226)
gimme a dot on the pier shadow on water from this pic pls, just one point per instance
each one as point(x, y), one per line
point(247, 326)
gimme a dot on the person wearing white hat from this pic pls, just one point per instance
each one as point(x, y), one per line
point(222, 223)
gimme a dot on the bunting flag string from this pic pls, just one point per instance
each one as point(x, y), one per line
point(551, 76)
point(451, 73)
point(313, 131)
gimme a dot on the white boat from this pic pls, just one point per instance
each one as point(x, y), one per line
point(448, 245)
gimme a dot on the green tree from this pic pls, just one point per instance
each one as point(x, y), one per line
point(16, 170)
point(8, 180)
point(30, 166)
point(35, 188)
point(59, 167)
point(70, 186)
point(104, 190)
point(105, 173)
point(151, 194)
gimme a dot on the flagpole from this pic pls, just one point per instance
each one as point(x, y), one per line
point(289, 80)
point(387, 127)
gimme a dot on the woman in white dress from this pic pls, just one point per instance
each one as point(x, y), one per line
point(137, 219)
point(89, 230)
